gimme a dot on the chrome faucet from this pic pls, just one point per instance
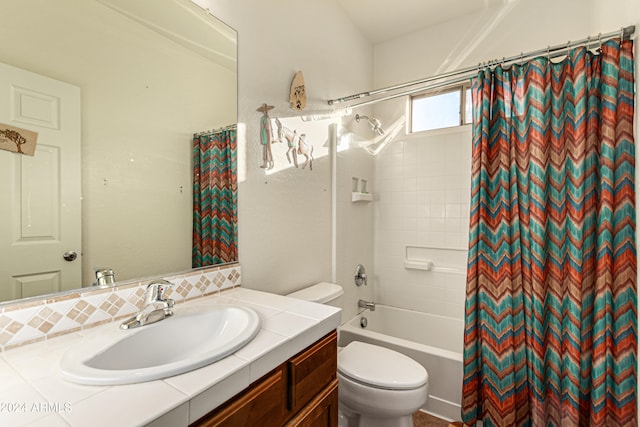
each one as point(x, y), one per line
point(367, 304)
point(155, 306)
point(104, 276)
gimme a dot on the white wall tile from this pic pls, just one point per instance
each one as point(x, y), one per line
point(423, 199)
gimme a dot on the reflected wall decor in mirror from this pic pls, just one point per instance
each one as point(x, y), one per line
point(115, 90)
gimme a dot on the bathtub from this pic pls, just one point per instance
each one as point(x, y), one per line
point(433, 341)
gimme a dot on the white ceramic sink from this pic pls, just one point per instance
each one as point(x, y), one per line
point(192, 338)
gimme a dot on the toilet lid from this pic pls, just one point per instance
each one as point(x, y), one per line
point(320, 292)
point(380, 367)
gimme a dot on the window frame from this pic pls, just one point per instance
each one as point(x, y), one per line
point(460, 88)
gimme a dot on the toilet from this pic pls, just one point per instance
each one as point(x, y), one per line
point(377, 387)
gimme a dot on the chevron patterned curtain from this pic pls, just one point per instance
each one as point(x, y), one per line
point(551, 321)
point(215, 194)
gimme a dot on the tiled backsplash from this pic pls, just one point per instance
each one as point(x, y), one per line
point(38, 320)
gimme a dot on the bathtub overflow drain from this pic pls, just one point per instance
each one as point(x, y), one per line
point(363, 322)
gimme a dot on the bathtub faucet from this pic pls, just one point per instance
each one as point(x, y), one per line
point(367, 304)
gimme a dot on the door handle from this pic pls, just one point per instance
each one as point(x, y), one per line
point(70, 256)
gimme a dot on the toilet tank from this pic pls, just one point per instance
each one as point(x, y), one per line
point(323, 293)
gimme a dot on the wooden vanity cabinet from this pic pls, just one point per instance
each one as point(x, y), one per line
point(263, 400)
point(322, 411)
point(303, 392)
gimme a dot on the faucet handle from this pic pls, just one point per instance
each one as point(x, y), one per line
point(360, 276)
point(156, 291)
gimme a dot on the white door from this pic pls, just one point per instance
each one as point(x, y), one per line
point(40, 195)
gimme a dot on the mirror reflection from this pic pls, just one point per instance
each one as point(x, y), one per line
point(116, 90)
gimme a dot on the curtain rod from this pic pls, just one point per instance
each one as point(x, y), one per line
point(223, 128)
point(447, 78)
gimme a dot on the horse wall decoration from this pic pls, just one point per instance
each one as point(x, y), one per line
point(297, 145)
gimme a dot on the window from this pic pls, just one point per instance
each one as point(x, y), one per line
point(441, 109)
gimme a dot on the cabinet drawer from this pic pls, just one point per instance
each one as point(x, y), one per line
point(311, 371)
point(263, 403)
point(321, 412)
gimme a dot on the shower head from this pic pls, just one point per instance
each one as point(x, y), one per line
point(373, 122)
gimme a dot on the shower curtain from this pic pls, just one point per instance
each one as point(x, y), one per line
point(551, 322)
point(215, 194)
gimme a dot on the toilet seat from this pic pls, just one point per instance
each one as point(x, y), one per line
point(380, 367)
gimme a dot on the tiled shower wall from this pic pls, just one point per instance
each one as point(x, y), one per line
point(422, 189)
point(40, 319)
point(354, 229)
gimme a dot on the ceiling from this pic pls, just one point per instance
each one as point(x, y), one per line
point(382, 20)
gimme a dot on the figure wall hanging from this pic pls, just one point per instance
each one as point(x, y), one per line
point(266, 137)
point(297, 144)
point(18, 140)
point(298, 93)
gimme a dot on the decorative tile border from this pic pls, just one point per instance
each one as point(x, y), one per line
point(32, 321)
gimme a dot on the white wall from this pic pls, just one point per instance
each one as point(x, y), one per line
point(517, 26)
point(142, 98)
point(285, 218)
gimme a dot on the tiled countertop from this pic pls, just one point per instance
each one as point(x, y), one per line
point(33, 393)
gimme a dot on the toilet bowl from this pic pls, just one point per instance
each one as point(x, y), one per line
point(377, 387)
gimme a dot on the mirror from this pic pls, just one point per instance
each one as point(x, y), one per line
point(150, 74)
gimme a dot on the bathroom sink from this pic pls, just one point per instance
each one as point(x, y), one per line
point(192, 338)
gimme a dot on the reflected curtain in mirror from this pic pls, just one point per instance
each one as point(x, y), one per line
point(551, 331)
point(215, 193)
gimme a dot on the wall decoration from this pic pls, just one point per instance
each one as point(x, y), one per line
point(297, 145)
point(298, 94)
point(266, 137)
point(18, 140)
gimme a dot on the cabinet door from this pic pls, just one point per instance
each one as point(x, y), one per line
point(311, 370)
point(265, 401)
point(303, 390)
point(321, 411)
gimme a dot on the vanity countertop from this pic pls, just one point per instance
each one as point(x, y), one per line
point(33, 393)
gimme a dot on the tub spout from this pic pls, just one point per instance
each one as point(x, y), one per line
point(367, 304)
